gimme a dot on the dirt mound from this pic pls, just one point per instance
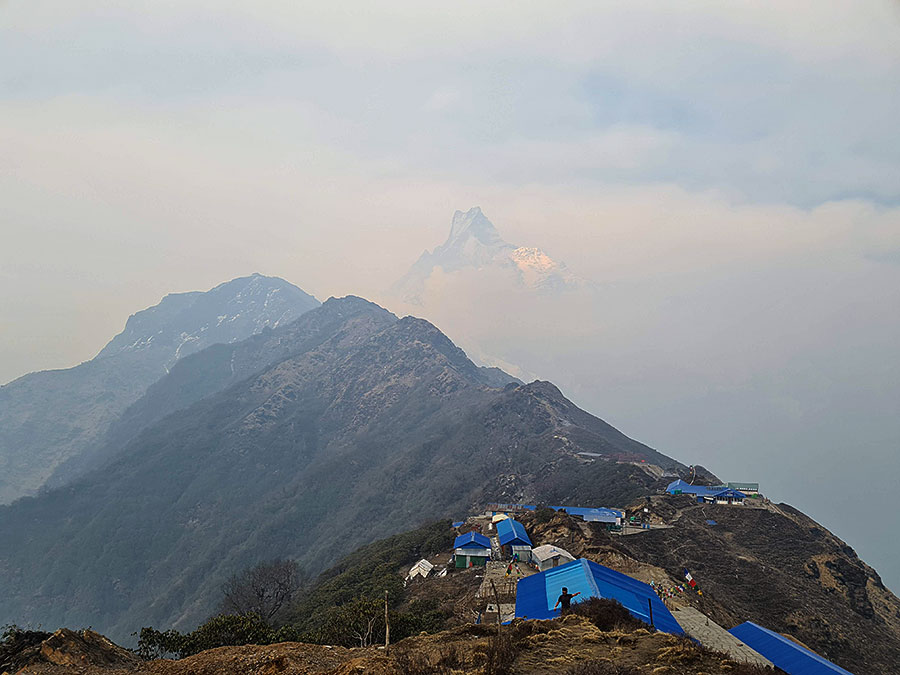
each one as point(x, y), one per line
point(523, 648)
point(75, 652)
point(286, 658)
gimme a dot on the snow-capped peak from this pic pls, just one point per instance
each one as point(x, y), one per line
point(472, 223)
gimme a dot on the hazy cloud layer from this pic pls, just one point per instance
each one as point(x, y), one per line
point(729, 173)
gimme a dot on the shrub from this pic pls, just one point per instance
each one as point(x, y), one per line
point(500, 653)
point(544, 514)
point(411, 662)
point(221, 631)
point(263, 589)
point(13, 641)
point(607, 614)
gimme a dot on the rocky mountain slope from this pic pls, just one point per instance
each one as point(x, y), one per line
point(773, 566)
point(475, 244)
point(50, 419)
point(383, 423)
point(766, 563)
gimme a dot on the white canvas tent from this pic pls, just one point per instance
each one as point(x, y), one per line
point(420, 569)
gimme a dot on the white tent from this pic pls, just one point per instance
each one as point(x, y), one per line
point(547, 557)
point(420, 569)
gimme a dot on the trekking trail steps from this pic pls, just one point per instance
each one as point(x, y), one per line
point(710, 634)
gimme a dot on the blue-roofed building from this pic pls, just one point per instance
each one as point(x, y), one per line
point(471, 549)
point(680, 487)
point(726, 496)
point(784, 652)
point(594, 514)
point(536, 595)
point(707, 494)
point(513, 538)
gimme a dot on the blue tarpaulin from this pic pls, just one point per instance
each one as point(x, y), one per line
point(512, 533)
point(536, 595)
point(784, 653)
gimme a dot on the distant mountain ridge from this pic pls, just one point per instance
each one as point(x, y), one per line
point(50, 419)
point(189, 322)
point(346, 424)
point(474, 243)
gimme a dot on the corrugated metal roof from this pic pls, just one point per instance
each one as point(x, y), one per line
point(783, 652)
point(729, 492)
point(536, 595)
point(512, 507)
point(547, 551)
point(596, 514)
point(512, 532)
point(753, 487)
point(699, 490)
point(472, 540)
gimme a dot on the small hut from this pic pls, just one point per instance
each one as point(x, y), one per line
point(471, 549)
point(547, 557)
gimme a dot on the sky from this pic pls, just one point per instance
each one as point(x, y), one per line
point(727, 173)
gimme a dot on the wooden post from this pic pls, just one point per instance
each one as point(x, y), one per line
point(387, 623)
point(496, 600)
point(650, 607)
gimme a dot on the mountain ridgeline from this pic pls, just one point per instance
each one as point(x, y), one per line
point(304, 441)
point(52, 423)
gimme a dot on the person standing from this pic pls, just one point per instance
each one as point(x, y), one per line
point(565, 600)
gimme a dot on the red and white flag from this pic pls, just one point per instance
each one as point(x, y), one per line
point(690, 579)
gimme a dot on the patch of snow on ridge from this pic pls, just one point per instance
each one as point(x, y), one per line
point(530, 258)
point(540, 271)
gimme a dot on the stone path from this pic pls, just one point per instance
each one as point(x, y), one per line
point(710, 634)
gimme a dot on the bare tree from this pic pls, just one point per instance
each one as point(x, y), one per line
point(262, 589)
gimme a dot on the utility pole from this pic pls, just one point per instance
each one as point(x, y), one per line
point(387, 623)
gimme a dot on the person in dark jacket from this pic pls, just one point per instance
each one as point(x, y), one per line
point(565, 600)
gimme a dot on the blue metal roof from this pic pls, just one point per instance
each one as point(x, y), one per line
point(784, 653)
point(699, 490)
point(472, 540)
point(730, 492)
point(536, 595)
point(597, 514)
point(512, 532)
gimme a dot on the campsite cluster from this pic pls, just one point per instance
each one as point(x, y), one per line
point(523, 581)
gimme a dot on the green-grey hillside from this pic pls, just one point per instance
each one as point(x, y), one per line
point(51, 421)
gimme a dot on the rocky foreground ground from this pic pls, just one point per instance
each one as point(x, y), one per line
point(571, 645)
